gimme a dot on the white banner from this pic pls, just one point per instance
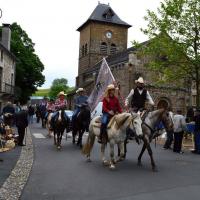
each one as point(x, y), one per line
point(105, 78)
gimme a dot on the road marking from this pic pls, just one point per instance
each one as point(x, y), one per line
point(38, 135)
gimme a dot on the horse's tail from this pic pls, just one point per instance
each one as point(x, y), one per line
point(89, 144)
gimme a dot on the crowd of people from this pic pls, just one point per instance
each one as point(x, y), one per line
point(135, 101)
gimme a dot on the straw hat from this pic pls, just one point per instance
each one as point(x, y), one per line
point(140, 80)
point(62, 93)
point(110, 87)
point(79, 90)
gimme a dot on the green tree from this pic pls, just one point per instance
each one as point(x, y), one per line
point(28, 67)
point(57, 86)
point(175, 41)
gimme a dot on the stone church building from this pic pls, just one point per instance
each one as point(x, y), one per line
point(104, 34)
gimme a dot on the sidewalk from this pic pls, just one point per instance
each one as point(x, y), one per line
point(10, 159)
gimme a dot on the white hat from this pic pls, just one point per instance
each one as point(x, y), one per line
point(111, 87)
point(79, 90)
point(140, 80)
point(62, 93)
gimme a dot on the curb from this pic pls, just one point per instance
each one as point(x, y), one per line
point(14, 184)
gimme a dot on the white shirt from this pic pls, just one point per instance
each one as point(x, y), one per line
point(129, 97)
point(179, 123)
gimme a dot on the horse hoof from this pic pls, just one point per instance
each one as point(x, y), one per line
point(105, 163)
point(155, 169)
point(120, 159)
point(88, 160)
point(59, 147)
point(112, 167)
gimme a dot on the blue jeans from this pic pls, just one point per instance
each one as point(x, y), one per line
point(56, 113)
point(105, 119)
point(76, 111)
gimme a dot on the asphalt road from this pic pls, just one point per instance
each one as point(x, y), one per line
point(63, 175)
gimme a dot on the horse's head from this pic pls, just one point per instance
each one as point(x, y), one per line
point(167, 120)
point(136, 124)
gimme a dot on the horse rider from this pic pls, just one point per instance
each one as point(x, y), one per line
point(111, 107)
point(139, 96)
point(80, 100)
point(60, 104)
point(43, 105)
point(50, 108)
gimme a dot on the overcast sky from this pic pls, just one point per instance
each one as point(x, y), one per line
point(52, 24)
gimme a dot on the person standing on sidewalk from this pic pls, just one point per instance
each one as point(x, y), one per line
point(21, 120)
point(31, 112)
point(197, 132)
point(179, 128)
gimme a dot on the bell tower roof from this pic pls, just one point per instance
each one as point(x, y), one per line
point(104, 13)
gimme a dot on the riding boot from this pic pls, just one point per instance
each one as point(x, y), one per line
point(102, 132)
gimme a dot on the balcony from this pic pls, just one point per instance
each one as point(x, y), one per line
point(7, 89)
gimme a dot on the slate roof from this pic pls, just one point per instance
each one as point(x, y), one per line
point(99, 16)
point(7, 51)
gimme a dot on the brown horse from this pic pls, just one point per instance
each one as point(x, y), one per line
point(59, 126)
point(149, 126)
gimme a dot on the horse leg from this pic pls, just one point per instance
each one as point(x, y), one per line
point(112, 159)
point(122, 152)
point(154, 168)
point(80, 138)
point(74, 136)
point(58, 140)
point(141, 153)
point(104, 161)
point(54, 138)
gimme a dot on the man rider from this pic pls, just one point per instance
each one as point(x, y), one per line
point(60, 104)
point(139, 96)
point(79, 100)
point(111, 106)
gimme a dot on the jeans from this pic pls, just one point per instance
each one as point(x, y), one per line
point(178, 138)
point(105, 119)
point(56, 113)
point(30, 119)
point(76, 111)
point(169, 140)
point(197, 141)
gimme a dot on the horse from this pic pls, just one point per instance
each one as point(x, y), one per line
point(59, 126)
point(149, 125)
point(48, 124)
point(116, 132)
point(81, 124)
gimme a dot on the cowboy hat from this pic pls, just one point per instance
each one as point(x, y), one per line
point(140, 80)
point(111, 87)
point(79, 90)
point(62, 93)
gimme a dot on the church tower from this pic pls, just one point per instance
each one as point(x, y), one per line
point(102, 35)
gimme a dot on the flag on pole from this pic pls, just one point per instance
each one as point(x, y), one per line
point(105, 78)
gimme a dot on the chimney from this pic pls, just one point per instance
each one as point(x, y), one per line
point(6, 36)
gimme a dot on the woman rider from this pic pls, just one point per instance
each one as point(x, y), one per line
point(60, 104)
point(111, 106)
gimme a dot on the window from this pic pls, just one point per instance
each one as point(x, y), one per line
point(83, 50)
point(103, 48)
point(1, 55)
point(108, 14)
point(113, 49)
point(86, 49)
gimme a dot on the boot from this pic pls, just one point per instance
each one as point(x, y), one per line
point(102, 132)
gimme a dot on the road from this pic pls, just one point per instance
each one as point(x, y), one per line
point(63, 175)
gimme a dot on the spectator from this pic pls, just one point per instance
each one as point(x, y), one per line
point(8, 112)
point(21, 119)
point(31, 112)
point(197, 132)
point(179, 128)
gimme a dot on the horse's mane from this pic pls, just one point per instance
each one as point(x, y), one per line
point(119, 119)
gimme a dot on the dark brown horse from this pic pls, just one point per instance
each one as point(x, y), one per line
point(149, 129)
point(59, 125)
point(81, 124)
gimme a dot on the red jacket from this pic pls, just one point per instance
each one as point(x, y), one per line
point(111, 104)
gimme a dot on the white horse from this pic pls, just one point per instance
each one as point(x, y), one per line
point(116, 135)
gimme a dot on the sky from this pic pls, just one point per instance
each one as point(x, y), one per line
point(52, 24)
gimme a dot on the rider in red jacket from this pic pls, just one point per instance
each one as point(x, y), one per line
point(111, 106)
